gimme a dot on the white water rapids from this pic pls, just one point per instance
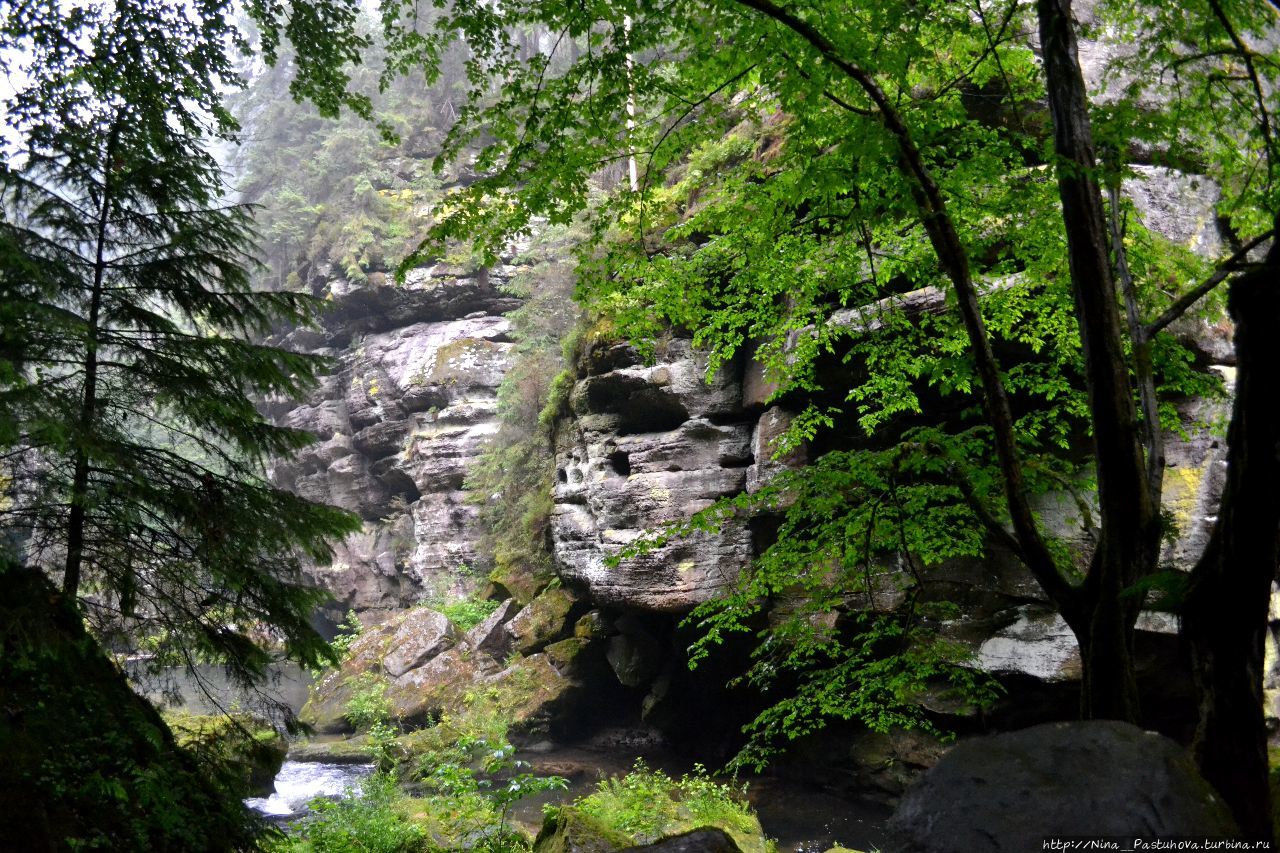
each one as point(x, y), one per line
point(300, 782)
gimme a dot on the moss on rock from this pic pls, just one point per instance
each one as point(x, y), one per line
point(543, 620)
point(569, 830)
point(88, 764)
point(248, 748)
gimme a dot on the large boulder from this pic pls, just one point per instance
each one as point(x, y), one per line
point(543, 620)
point(1007, 793)
point(422, 635)
point(425, 667)
point(87, 763)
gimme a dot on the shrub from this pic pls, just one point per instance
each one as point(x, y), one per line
point(648, 804)
point(467, 613)
point(368, 823)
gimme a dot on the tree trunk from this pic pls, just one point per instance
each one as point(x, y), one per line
point(1109, 685)
point(1129, 543)
point(78, 515)
point(1225, 615)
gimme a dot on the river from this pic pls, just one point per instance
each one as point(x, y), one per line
point(798, 817)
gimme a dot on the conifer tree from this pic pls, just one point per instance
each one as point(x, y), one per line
point(134, 458)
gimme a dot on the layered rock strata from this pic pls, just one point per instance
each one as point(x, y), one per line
point(410, 406)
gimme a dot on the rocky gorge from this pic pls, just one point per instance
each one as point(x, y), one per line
point(645, 436)
point(639, 444)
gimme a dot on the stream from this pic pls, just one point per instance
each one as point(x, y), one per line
point(798, 817)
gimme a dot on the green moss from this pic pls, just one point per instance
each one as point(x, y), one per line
point(646, 805)
point(249, 748)
point(563, 653)
point(519, 580)
point(543, 620)
point(570, 830)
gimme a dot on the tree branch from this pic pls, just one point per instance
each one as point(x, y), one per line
point(955, 263)
point(1181, 305)
point(1152, 440)
point(1247, 55)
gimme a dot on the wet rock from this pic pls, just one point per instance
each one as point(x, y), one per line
point(704, 840)
point(1008, 792)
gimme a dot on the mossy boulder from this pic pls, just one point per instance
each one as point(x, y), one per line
point(530, 691)
point(545, 619)
point(422, 634)
point(248, 747)
point(565, 653)
point(327, 700)
point(517, 580)
point(568, 830)
point(395, 652)
point(650, 808)
point(88, 764)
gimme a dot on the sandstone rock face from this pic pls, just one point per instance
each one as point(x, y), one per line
point(1008, 792)
point(409, 407)
point(649, 445)
point(422, 635)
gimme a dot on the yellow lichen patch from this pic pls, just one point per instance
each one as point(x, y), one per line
point(1181, 488)
point(685, 566)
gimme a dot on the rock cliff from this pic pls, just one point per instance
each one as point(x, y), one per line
point(410, 404)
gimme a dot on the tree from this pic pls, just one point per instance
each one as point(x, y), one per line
point(899, 146)
point(136, 459)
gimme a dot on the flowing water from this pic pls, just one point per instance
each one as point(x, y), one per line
point(300, 782)
point(801, 818)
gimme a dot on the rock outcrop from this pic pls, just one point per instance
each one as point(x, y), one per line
point(1009, 792)
point(650, 444)
point(410, 406)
